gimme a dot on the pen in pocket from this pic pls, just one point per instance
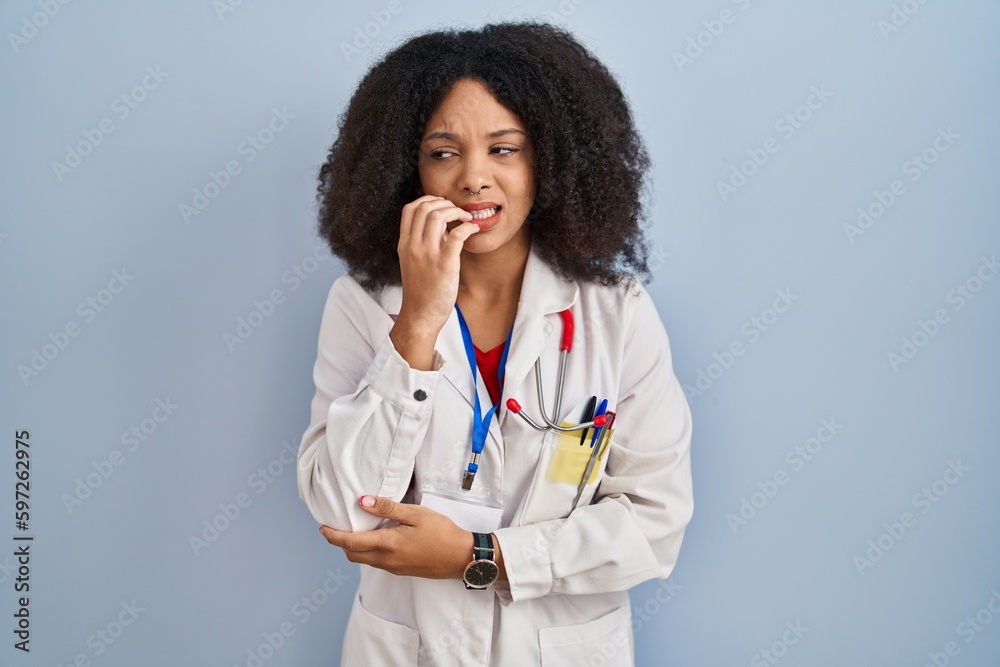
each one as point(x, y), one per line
point(600, 411)
point(594, 456)
point(588, 414)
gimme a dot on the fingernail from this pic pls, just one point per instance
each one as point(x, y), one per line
point(367, 501)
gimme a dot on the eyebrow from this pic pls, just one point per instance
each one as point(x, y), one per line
point(491, 135)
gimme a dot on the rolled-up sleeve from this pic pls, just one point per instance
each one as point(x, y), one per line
point(369, 414)
point(632, 530)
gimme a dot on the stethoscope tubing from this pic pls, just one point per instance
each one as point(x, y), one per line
point(549, 422)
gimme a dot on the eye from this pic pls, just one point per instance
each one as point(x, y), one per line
point(495, 150)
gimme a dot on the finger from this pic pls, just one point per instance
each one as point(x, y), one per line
point(438, 220)
point(420, 214)
point(455, 239)
point(351, 541)
point(406, 220)
point(384, 507)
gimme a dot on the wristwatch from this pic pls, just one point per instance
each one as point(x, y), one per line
point(483, 570)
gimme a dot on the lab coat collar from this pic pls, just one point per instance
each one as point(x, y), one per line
point(543, 295)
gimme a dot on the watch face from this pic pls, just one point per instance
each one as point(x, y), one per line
point(481, 573)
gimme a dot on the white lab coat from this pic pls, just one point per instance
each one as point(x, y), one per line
point(566, 601)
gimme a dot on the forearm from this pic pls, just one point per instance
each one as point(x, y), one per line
point(611, 545)
point(413, 342)
point(365, 443)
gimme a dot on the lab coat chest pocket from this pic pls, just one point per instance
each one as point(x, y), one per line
point(608, 636)
point(560, 469)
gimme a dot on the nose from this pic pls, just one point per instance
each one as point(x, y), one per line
point(475, 174)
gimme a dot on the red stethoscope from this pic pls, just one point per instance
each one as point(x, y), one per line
point(564, 349)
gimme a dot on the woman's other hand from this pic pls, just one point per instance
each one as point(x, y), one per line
point(424, 544)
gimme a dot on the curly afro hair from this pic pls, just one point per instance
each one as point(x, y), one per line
point(590, 164)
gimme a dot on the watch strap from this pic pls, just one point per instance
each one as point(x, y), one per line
point(483, 547)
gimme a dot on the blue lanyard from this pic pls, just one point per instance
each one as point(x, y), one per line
point(480, 423)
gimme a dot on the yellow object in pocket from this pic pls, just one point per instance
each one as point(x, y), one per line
point(571, 458)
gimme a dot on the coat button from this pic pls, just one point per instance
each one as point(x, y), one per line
point(420, 394)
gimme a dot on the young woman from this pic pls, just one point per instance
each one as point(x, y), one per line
point(484, 192)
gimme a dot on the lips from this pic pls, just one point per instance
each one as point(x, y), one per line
point(478, 206)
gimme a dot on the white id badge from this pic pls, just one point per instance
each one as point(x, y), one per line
point(476, 510)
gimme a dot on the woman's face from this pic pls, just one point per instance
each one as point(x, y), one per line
point(472, 141)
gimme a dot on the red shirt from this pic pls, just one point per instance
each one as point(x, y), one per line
point(488, 363)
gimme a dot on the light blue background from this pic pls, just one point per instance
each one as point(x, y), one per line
point(717, 264)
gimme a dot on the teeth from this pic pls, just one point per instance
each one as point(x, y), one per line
point(485, 213)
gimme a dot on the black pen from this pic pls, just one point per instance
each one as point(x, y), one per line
point(588, 414)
